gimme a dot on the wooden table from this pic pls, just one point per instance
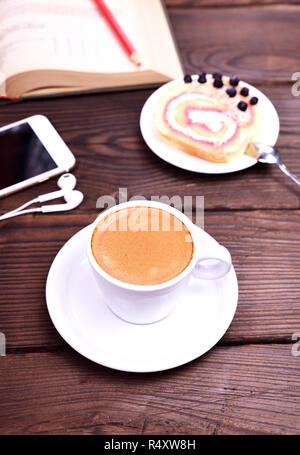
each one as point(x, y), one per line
point(250, 382)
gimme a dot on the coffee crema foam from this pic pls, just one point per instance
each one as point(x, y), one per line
point(142, 245)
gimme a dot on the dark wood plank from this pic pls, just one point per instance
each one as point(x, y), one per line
point(254, 42)
point(264, 247)
point(187, 4)
point(103, 132)
point(233, 390)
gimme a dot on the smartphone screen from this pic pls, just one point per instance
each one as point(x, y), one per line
point(22, 155)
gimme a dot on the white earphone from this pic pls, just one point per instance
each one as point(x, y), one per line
point(73, 198)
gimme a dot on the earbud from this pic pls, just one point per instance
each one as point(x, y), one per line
point(66, 182)
point(73, 198)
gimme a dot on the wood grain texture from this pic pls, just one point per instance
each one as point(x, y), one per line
point(264, 248)
point(230, 390)
point(103, 132)
point(255, 43)
point(249, 383)
point(190, 4)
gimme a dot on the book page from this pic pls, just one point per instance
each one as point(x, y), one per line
point(159, 46)
point(66, 35)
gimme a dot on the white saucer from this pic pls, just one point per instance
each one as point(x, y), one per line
point(179, 158)
point(85, 322)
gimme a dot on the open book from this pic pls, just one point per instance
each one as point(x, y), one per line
point(60, 46)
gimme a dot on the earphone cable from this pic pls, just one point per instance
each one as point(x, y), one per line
point(20, 210)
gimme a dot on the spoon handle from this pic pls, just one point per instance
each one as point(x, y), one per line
point(287, 172)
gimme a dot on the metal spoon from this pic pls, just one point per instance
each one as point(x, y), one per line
point(270, 155)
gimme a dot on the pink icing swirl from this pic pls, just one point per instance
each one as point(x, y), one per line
point(211, 119)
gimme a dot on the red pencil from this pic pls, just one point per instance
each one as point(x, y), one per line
point(115, 26)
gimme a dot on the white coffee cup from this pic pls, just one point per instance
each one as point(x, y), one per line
point(144, 304)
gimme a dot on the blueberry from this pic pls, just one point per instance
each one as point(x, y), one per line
point(234, 81)
point(217, 75)
point(244, 91)
point(253, 100)
point(242, 106)
point(202, 78)
point(218, 83)
point(187, 78)
point(231, 91)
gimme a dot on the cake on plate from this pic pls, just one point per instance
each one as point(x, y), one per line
point(211, 116)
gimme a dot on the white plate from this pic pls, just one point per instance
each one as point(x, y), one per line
point(85, 322)
point(179, 158)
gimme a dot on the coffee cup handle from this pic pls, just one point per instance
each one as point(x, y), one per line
point(214, 261)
